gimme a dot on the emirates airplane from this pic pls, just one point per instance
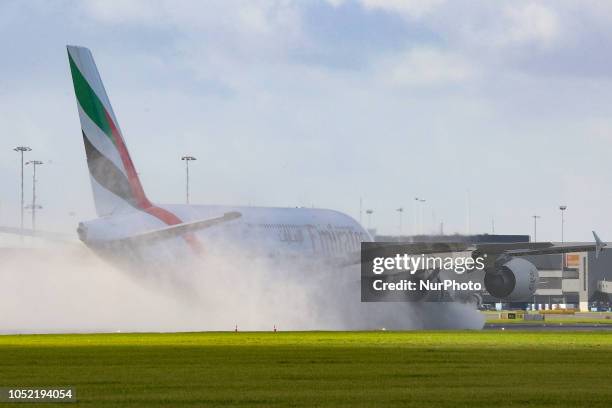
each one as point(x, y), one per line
point(148, 236)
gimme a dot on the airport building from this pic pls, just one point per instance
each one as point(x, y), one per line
point(580, 280)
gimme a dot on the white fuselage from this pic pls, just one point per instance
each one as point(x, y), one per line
point(314, 234)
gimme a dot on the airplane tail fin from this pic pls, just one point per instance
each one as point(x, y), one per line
point(114, 180)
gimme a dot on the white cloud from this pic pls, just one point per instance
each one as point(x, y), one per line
point(217, 33)
point(407, 8)
point(532, 23)
point(336, 3)
point(427, 67)
point(514, 25)
point(112, 11)
point(255, 16)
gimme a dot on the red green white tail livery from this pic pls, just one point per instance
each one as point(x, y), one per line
point(115, 184)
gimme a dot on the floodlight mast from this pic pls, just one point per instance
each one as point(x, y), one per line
point(422, 216)
point(562, 208)
point(535, 227)
point(400, 212)
point(187, 159)
point(418, 215)
point(34, 163)
point(369, 212)
point(22, 149)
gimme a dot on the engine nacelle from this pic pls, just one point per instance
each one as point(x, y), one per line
point(513, 280)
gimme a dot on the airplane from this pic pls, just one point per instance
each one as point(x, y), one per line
point(141, 235)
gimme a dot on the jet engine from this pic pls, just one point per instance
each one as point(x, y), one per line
point(512, 279)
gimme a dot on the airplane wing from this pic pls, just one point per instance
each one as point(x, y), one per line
point(177, 230)
point(492, 249)
point(543, 248)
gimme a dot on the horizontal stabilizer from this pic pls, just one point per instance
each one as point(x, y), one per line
point(178, 230)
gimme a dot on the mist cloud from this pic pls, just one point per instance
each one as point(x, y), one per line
point(69, 289)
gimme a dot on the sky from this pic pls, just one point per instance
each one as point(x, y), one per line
point(490, 111)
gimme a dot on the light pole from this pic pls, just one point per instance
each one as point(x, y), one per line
point(400, 211)
point(187, 159)
point(360, 209)
point(562, 208)
point(22, 149)
point(421, 216)
point(369, 212)
point(34, 163)
point(416, 216)
point(535, 227)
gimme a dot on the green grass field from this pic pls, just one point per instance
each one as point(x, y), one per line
point(346, 369)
